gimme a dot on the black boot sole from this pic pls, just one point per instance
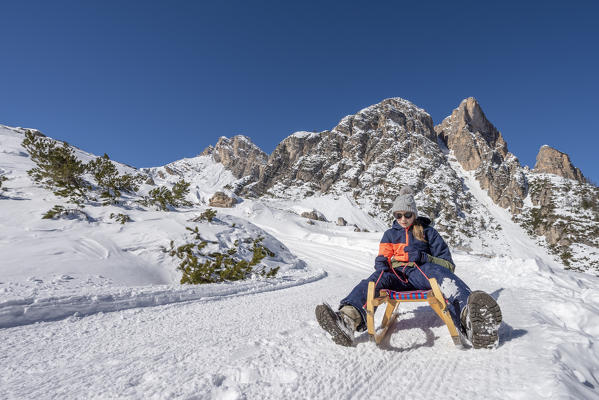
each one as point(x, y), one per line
point(328, 321)
point(485, 318)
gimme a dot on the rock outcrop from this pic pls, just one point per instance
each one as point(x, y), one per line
point(314, 215)
point(239, 155)
point(479, 146)
point(220, 199)
point(552, 161)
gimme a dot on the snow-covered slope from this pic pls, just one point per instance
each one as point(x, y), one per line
point(54, 268)
point(119, 326)
point(204, 175)
point(511, 239)
point(268, 345)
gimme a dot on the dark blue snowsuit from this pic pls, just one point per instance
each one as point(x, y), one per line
point(397, 242)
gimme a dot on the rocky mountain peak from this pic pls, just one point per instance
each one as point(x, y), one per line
point(466, 119)
point(238, 154)
point(354, 153)
point(552, 161)
point(478, 146)
point(389, 111)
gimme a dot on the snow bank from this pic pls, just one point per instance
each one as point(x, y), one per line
point(36, 309)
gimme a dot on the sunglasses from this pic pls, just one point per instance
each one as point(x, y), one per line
point(398, 215)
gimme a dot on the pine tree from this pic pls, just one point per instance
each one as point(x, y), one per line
point(164, 198)
point(122, 218)
point(207, 215)
point(57, 168)
point(219, 266)
point(110, 183)
point(180, 191)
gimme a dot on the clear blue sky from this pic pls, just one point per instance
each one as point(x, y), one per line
point(150, 82)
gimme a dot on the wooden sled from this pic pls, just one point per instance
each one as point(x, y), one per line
point(434, 297)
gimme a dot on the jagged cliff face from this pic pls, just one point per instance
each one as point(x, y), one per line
point(552, 202)
point(552, 161)
point(478, 146)
point(564, 214)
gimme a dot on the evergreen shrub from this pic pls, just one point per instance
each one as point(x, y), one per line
point(165, 199)
point(207, 215)
point(61, 212)
point(110, 183)
point(122, 218)
point(199, 268)
point(57, 168)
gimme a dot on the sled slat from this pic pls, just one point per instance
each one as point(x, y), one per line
point(370, 309)
point(433, 297)
point(444, 312)
point(388, 312)
point(388, 320)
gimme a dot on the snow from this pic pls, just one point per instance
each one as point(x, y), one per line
point(512, 239)
point(94, 310)
point(449, 288)
point(205, 176)
point(304, 134)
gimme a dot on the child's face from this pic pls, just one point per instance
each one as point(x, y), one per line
point(403, 220)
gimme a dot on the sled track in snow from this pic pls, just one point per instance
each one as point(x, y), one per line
point(268, 345)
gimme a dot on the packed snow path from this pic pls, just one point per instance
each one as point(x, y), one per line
point(268, 345)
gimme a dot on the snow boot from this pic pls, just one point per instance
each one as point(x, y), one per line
point(340, 325)
point(480, 320)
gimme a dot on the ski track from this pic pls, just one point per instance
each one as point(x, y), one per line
point(225, 349)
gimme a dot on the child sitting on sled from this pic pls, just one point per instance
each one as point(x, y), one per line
point(410, 253)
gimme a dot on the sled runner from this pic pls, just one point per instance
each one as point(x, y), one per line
point(434, 297)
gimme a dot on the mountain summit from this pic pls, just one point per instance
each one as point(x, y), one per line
point(479, 146)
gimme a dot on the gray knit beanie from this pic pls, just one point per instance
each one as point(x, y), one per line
point(405, 201)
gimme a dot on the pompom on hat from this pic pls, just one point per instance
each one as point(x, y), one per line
point(405, 201)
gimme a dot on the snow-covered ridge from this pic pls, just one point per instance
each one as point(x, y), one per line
point(403, 102)
point(304, 135)
point(205, 176)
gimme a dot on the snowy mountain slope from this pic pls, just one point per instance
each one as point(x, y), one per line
point(563, 215)
point(54, 268)
point(366, 159)
point(206, 177)
point(512, 239)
